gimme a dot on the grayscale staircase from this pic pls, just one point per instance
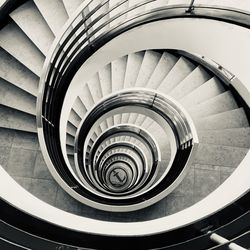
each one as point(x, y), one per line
point(221, 122)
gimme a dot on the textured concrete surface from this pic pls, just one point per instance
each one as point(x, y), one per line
point(16, 73)
point(165, 64)
point(71, 5)
point(193, 81)
point(133, 67)
point(148, 66)
point(219, 155)
point(230, 119)
point(206, 91)
point(14, 97)
point(178, 73)
point(118, 70)
point(236, 137)
point(219, 104)
point(28, 55)
point(30, 20)
point(10, 118)
point(74, 118)
point(54, 13)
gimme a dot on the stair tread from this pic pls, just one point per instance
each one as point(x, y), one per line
point(54, 13)
point(79, 108)
point(70, 150)
point(105, 80)
point(220, 103)
point(74, 118)
point(70, 140)
point(230, 119)
point(195, 79)
point(220, 155)
point(71, 5)
point(16, 98)
point(14, 119)
point(148, 65)
point(29, 55)
point(235, 137)
point(209, 89)
point(17, 74)
point(180, 71)
point(32, 23)
point(118, 69)
point(86, 97)
point(95, 89)
point(71, 129)
point(163, 67)
point(133, 66)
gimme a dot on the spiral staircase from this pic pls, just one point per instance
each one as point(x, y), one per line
point(124, 124)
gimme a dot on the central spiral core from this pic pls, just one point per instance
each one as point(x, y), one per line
point(125, 166)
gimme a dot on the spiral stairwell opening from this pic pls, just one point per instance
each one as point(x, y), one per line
point(124, 114)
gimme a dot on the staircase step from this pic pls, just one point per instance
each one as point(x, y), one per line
point(105, 80)
point(86, 97)
point(221, 103)
point(74, 118)
point(103, 126)
point(118, 69)
point(132, 118)
point(117, 119)
point(194, 80)
point(71, 129)
point(230, 119)
point(79, 108)
point(125, 117)
point(70, 140)
point(17, 74)
point(70, 150)
point(14, 119)
point(16, 98)
point(235, 137)
point(29, 55)
point(32, 23)
point(179, 72)
point(133, 67)
point(163, 67)
point(140, 119)
point(54, 13)
point(71, 5)
point(161, 138)
point(134, 63)
point(220, 155)
point(95, 88)
point(206, 91)
point(72, 162)
point(149, 63)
